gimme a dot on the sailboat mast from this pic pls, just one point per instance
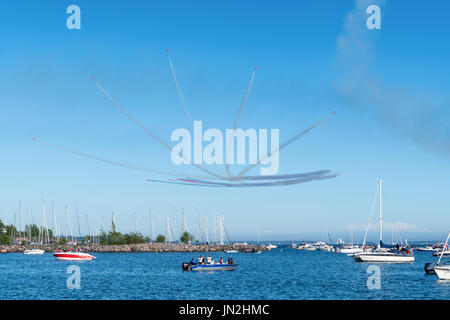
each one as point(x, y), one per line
point(443, 249)
point(381, 217)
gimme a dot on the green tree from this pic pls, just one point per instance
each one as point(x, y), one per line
point(134, 237)
point(160, 238)
point(186, 237)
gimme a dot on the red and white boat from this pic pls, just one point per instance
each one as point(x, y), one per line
point(74, 256)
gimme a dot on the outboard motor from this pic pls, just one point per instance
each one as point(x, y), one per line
point(429, 268)
point(186, 266)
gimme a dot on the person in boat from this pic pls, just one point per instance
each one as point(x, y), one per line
point(220, 260)
point(200, 260)
point(192, 261)
point(208, 260)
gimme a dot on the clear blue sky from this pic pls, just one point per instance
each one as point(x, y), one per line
point(393, 125)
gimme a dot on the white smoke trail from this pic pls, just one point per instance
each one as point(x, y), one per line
point(180, 94)
point(238, 117)
point(153, 135)
point(116, 163)
point(283, 145)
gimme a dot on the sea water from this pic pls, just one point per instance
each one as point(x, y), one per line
point(278, 274)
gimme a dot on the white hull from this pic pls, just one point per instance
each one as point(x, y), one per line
point(310, 248)
point(349, 250)
point(443, 272)
point(425, 249)
point(219, 267)
point(34, 251)
point(383, 257)
point(231, 251)
point(73, 259)
point(73, 256)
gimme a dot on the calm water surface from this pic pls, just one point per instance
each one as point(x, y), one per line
point(278, 274)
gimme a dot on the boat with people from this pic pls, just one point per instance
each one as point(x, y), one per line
point(380, 253)
point(34, 251)
point(73, 255)
point(209, 265)
point(445, 251)
point(426, 248)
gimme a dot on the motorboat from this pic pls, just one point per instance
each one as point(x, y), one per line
point(34, 251)
point(429, 268)
point(309, 247)
point(427, 248)
point(74, 256)
point(271, 246)
point(325, 248)
point(445, 253)
point(231, 251)
point(381, 254)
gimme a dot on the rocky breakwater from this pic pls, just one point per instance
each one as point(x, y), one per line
point(140, 247)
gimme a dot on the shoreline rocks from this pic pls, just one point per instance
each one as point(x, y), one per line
point(141, 247)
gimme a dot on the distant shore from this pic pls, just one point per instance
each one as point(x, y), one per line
point(141, 247)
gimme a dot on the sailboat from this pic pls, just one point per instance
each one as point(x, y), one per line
point(32, 251)
point(380, 254)
point(351, 248)
point(443, 270)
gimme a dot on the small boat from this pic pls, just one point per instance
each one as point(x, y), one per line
point(428, 248)
point(271, 246)
point(309, 247)
point(34, 251)
point(349, 250)
point(445, 253)
point(231, 251)
point(208, 267)
point(325, 248)
point(74, 256)
point(429, 268)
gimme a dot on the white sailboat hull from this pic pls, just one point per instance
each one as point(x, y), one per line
point(443, 272)
point(383, 257)
point(349, 250)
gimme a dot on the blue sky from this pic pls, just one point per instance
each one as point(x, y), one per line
point(392, 125)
